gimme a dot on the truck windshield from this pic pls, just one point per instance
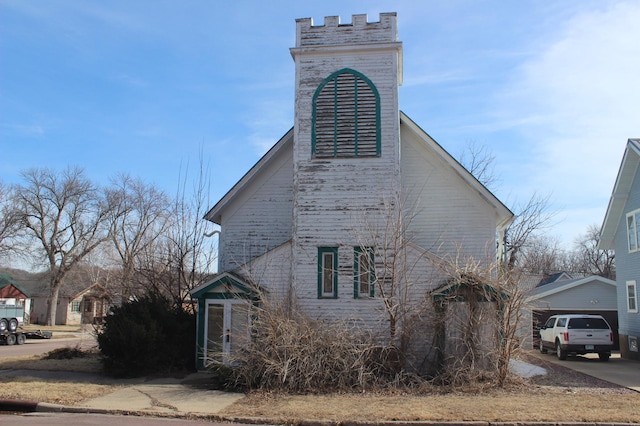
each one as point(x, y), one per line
point(588, 323)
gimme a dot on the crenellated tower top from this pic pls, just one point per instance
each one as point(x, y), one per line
point(358, 31)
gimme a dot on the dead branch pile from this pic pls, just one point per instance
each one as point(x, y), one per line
point(294, 353)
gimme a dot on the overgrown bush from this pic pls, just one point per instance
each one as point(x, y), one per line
point(146, 336)
point(294, 353)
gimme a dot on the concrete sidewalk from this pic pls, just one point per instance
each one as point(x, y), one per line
point(163, 396)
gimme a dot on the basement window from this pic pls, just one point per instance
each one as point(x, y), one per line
point(346, 117)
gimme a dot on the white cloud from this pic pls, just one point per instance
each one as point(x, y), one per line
point(583, 90)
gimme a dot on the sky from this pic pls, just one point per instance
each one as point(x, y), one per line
point(153, 87)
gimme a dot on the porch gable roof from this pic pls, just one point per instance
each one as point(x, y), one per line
point(226, 279)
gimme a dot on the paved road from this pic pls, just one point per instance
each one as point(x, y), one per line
point(66, 419)
point(42, 346)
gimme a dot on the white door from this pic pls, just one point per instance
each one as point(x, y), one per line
point(227, 329)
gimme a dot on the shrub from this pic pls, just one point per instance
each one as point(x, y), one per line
point(146, 336)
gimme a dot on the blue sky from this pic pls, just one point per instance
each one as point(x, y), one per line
point(141, 87)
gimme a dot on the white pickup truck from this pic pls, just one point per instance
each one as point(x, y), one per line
point(577, 334)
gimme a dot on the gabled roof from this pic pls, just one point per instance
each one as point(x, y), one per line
point(458, 290)
point(96, 287)
point(505, 216)
point(558, 276)
point(562, 285)
point(620, 193)
point(285, 142)
point(226, 279)
point(6, 279)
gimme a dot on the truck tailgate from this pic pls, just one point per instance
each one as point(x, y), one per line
point(590, 337)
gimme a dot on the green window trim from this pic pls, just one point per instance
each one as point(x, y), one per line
point(327, 272)
point(349, 122)
point(363, 281)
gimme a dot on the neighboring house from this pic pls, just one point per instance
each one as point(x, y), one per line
point(312, 220)
point(621, 232)
point(78, 303)
point(587, 295)
point(12, 293)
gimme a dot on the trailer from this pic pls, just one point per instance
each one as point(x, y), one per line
point(11, 317)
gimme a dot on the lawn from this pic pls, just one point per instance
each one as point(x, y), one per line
point(561, 396)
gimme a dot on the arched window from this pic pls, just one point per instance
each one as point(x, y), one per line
point(346, 117)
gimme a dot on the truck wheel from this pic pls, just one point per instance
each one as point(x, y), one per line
point(11, 339)
point(21, 339)
point(542, 349)
point(3, 324)
point(604, 356)
point(13, 324)
point(562, 355)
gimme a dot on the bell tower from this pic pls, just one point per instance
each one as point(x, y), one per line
point(346, 150)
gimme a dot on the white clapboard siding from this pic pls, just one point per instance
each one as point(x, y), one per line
point(258, 219)
point(446, 214)
point(271, 272)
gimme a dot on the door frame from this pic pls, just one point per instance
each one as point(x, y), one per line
point(226, 289)
point(227, 326)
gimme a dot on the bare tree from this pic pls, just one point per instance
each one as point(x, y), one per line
point(543, 255)
point(185, 255)
point(139, 219)
point(479, 161)
point(65, 216)
point(589, 260)
point(9, 224)
point(531, 218)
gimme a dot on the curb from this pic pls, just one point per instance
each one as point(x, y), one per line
point(19, 406)
point(43, 407)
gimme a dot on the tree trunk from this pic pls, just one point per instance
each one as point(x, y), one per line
point(52, 308)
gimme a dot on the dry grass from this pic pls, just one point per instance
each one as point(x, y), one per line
point(563, 395)
point(53, 328)
point(89, 364)
point(495, 406)
point(28, 388)
point(31, 388)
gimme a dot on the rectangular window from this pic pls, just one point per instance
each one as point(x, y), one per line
point(328, 272)
point(632, 297)
point(75, 306)
point(633, 230)
point(363, 272)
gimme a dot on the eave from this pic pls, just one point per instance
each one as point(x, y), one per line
point(504, 214)
point(214, 214)
point(621, 189)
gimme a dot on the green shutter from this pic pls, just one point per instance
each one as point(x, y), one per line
point(346, 117)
